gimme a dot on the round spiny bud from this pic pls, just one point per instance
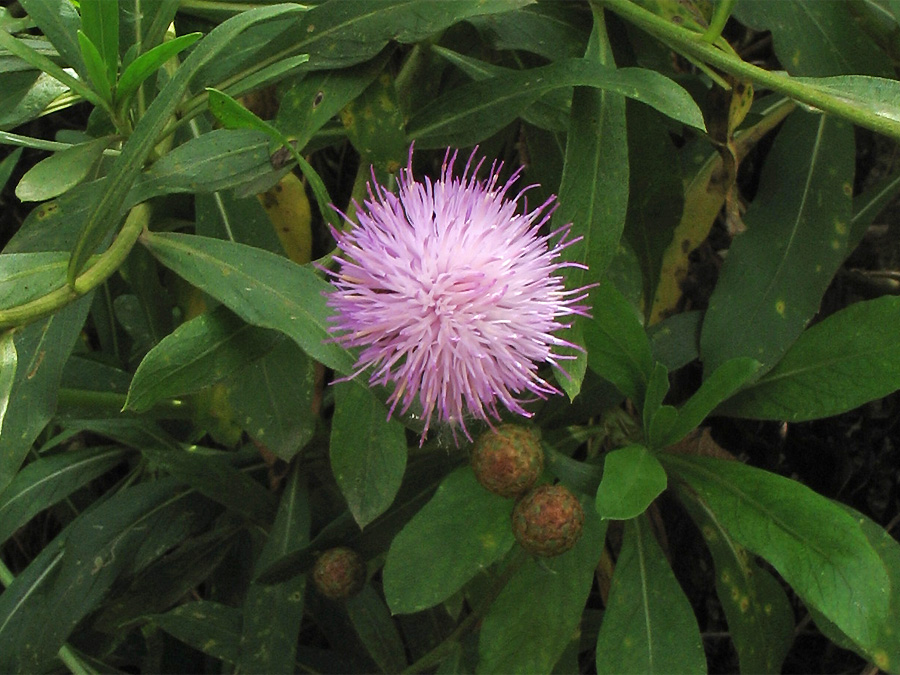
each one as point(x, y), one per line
point(548, 520)
point(339, 573)
point(508, 460)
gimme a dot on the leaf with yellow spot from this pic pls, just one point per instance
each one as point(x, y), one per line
point(648, 625)
point(375, 125)
point(288, 209)
point(704, 196)
point(759, 615)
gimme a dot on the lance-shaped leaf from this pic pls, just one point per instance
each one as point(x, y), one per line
point(815, 545)
point(648, 625)
point(848, 359)
point(262, 288)
point(418, 572)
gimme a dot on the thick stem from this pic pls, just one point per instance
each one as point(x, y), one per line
point(691, 44)
point(104, 267)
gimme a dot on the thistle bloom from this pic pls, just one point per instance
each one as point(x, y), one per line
point(453, 296)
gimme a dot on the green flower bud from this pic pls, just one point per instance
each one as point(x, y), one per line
point(548, 520)
point(507, 461)
point(339, 573)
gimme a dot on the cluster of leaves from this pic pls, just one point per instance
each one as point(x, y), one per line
point(173, 459)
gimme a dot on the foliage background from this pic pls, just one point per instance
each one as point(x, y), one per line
point(173, 457)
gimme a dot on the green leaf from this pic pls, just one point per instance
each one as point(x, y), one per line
point(648, 626)
point(96, 68)
point(310, 103)
point(272, 614)
point(618, 348)
point(675, 341)
point(373, 623)
point(262, 288)
point(878, 95)
point(46, 481)
point(243, 220)
point(104, 215)
point(8, 366)
point(218, 160)
point(848, 359)
point(657, 388)
point(42, 348)
point(593, 194)
point(348, 32)
point(60, 171)
point(797, 231)
point(885, 649)
point(368, 452)
point(538, 612)
point(74, 573)
point(216, 478)
point(376, 126)
point(418, 573)
point(816, 38)
point(554, 30)
point(474, 111)
point(273, 399)
point(759, 614)
point(59, 21)
point(816, 547)
point(148, 63)
point(729, 377)
point(199, 353)
point(235, 116)
point(7, 165)
point(26, 276)
point(100, 23)
point(26, 95)
point(550, 111)
point(632, 479)
point(209, 627)
point(655, 193)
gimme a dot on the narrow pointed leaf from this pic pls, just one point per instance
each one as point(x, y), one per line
point(848, 359)
point(538, 612)
point(418, 573)
point(46, 481)
point(104, 215)
point(760, 617)
point(197, 354)
point(797, 233)
point(42, 350)
point(814, 544)
point(264, 289)
point(649, 625)
point(149, 62)
point(368, 452)
point(618, 348)
point(474, 111)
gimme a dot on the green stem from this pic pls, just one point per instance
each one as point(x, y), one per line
point(439, 653)
point(691, 44)
point(8, 138)
point(719, 19)
point(104, 267)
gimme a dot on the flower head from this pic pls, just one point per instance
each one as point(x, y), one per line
point(453, 296)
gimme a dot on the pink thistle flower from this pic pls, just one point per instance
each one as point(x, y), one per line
point(453, 296)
